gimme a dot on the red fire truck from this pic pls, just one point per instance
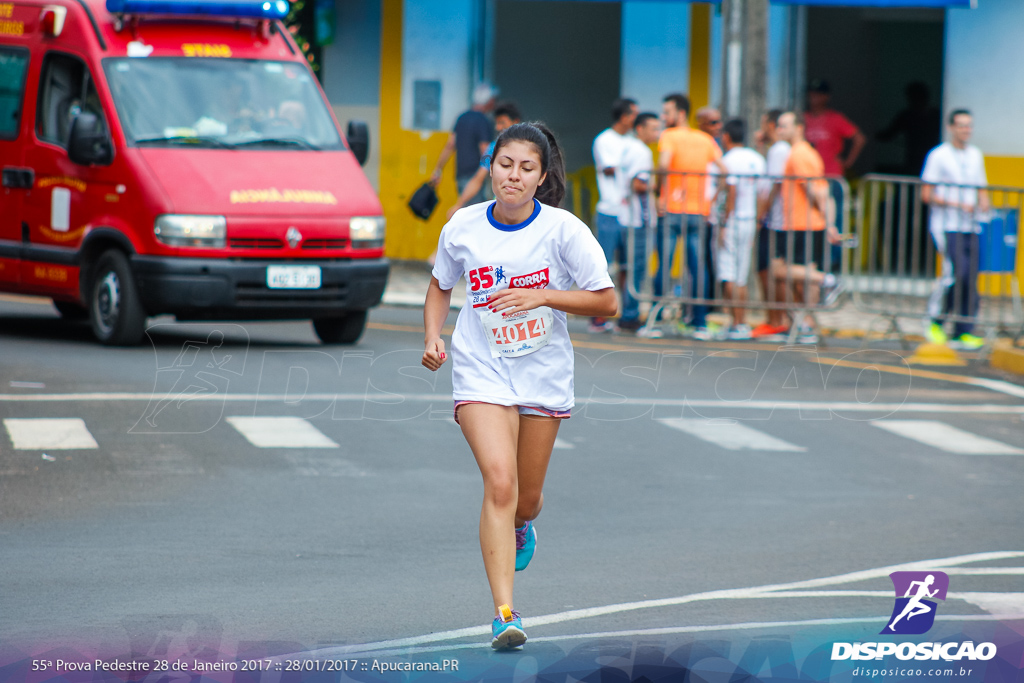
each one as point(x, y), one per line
point(170, 156)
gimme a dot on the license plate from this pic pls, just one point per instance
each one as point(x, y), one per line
point(293, 277)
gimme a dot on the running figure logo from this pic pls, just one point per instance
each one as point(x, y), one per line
point(913, 614)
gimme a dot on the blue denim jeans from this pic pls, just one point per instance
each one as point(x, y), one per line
point(613, 237)
point(698, 265)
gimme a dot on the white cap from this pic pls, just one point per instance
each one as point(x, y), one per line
point(484, 93)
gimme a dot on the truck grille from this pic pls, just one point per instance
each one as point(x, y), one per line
point(255, 243)
point(325, 244)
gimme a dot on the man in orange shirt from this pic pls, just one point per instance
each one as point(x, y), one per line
point(809, 218)
point(686, 155)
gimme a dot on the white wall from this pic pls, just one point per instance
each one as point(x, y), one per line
point(984, 63)
point(436, 47)
point(655, 51)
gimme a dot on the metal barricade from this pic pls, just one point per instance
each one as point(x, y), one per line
point(943, 253)
point(773, 260)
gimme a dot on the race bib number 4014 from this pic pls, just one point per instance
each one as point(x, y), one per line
point(517, 334)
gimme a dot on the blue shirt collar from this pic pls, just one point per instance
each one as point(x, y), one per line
point(517, 226)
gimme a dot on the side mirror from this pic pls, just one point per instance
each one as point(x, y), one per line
point(359, 140)
point(89, 144)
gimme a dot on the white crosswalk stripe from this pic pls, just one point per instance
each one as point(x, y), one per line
point(731, 435)
point(281, 432)
point(47, 433)
point(946, 438)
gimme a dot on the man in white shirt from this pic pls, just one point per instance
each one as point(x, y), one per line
point(609, 153)
point(746, 171)
point(954, 174)
point(777, 144)
point(637, 212)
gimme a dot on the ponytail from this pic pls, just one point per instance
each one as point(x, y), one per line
point(552, 190)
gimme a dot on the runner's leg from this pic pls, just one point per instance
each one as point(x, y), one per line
point(492, 432)
point(536, 440)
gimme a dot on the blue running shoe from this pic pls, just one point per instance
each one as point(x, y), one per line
point(526, 543)
point(507, 629)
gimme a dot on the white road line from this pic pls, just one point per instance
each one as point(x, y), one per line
point(672, 630)
point(563, 444)
point(985, 571)
point(730, 435)
point(726, 594)
point(835, 406)
point(280, 432)
point(44, 433)
point(1005, 603)
point(944, 437)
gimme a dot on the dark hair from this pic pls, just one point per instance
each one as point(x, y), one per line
point(643, 118)
point(681, 101)
point(773, 116)
point(509, 109)
point(552, 191)
point(736, 129)
point(621, 107)
point(958, 112)
point(798, 116)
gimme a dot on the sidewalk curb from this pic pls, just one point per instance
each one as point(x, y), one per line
point(1007, 357)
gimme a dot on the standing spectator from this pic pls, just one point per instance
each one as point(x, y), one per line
point(829, 131)
point(506, 114)
point(746, 170)
point(468, 141)
point(919, 123)
point(774, 135)
point(955, 171)
point(609, 155)
point(709, 120)
point(685, 153)
point(638, 163)
point(808, 215)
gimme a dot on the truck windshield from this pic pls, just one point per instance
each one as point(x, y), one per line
point(248, 104)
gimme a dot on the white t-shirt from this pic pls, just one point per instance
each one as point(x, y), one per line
point(638, 162)
point(950, 167)
point(778, 155)
point(743, 161)
point(609, 152)
point(551, 249)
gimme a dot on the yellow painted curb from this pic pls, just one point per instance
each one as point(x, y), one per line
point(935, 354)
point(1007, 357)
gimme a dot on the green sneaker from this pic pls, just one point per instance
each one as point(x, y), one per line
point(970, 342)
point(936, 334)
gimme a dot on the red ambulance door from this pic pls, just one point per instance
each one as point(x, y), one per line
point(17, 179)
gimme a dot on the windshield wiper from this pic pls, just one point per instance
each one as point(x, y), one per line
point(296, 142)
point(185, 139)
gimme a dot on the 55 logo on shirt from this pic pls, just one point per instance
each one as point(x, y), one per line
point(486, 277)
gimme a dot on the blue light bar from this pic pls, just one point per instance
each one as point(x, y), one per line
point(260, 9)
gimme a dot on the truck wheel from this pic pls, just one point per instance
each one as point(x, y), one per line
point(344, 330)
point(71, 311)
point(115, 312)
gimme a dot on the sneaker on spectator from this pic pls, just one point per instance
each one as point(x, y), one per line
point(702, 334)
point(600, 326)
point(739, 332)
point(831, 288)
point(968, 342)
point(936, 334)
point(806, 335)
point(762, 330)
point(649, 332)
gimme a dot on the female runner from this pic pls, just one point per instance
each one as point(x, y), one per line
point(513, 362)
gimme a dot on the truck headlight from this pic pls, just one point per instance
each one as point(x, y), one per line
point(366, 232)
point(191, 231)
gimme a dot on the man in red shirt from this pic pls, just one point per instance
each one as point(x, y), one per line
point(828, 130)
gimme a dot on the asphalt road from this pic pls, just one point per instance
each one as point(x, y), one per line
point(696, 496)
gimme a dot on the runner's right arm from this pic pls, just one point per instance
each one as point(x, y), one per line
point(435, 312)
